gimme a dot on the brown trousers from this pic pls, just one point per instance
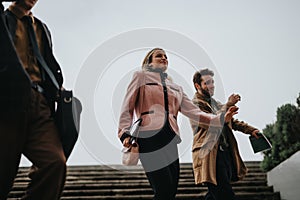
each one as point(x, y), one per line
point(33, 134)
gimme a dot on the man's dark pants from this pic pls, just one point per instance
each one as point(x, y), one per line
point(33, 133)
point(223, 189)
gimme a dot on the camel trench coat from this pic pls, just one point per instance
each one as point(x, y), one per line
point(205, 168)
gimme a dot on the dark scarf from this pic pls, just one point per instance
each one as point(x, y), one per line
point(164, 75)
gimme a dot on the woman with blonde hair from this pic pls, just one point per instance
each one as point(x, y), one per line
point(152, 97)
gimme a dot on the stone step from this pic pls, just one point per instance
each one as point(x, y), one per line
point(187, 172)
point(119, 182)
point(127, 177)
point(241, 196)
point(138, 184)
point(70, 190)
point(249, 165)
point(90, 170)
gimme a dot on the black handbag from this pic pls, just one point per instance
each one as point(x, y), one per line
point(67, 119)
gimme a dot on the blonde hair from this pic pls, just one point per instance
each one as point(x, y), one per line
point(148, 58)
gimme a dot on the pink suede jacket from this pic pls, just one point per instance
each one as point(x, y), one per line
point(145, 98)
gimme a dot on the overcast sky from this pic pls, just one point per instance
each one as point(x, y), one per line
point(253, 46)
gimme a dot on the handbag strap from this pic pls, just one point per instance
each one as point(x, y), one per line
point(37, 53)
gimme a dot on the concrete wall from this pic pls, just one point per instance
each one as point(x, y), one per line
point(286, 178)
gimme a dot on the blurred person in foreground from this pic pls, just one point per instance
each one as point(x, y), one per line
point(27, 104)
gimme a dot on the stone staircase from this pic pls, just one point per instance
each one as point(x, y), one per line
point(119, 182)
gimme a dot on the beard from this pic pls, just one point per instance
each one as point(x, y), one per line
point(205, 93)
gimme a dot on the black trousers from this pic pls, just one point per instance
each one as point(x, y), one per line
point(159, 157)
point(223, 189)
point(34, 134)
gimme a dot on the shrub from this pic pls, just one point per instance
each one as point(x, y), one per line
point(284, 135)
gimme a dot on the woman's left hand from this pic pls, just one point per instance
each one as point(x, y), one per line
point(126, 142)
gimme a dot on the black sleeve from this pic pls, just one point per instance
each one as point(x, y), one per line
point(124, 136)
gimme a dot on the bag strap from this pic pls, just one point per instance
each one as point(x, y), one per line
point(37, 53)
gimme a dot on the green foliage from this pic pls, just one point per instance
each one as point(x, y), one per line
point(284, 135)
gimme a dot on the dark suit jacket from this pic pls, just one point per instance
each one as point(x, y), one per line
point(48, 86)
point(15, 84)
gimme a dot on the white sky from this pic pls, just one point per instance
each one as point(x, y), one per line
point(253, 45)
